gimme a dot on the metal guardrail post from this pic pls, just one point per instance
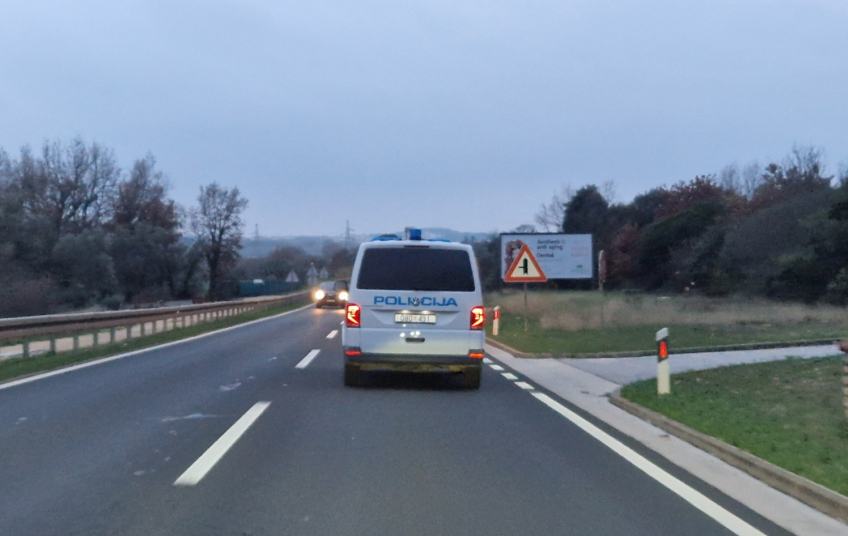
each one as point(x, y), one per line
point(26, 348)
point(76, 342)
point(52, 345)
point(111, 335)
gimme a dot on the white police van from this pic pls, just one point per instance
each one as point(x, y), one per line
point(414, 305)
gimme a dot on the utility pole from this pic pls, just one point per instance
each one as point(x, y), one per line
point(347, 234)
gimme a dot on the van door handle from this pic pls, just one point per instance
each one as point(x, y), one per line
point(412, 339)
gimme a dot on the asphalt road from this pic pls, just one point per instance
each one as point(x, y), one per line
point(98, 451)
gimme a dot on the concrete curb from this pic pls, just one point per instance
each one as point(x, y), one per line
point(673, 351)
point(808, 492)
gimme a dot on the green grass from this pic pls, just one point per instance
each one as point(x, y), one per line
point(13, 368)
point(564, 323)
point(641, 338)
point(789, 413)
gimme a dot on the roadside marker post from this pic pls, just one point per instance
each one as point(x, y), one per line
point(663, 376)
point(497, 320)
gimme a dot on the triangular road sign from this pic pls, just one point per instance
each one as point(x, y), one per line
point(525, 268)
point(292, 277)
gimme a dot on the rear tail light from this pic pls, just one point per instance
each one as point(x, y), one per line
point(478, 317)
point(353, 351)
point(476, 354)
point(352, 315)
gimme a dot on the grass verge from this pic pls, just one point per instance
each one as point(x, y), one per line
point(587, 322)
point(14, 368)
point(789, 413)
point(641, 338)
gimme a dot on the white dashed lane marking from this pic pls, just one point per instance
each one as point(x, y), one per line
point(332, 334)
point(487, 360)
point(213, 454)
point(509, 376)
point(308, 359)
point(524, 385)
point(497, 367)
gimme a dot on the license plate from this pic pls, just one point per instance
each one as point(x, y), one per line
point(403, 318)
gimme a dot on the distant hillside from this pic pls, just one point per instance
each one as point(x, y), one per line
point(312, 245)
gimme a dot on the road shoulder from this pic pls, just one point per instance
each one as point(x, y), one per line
point(591, 394)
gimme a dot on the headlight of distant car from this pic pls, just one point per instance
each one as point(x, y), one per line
point(343, 296)
point(319, 294)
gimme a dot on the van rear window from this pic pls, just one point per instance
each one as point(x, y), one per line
point(434, 269)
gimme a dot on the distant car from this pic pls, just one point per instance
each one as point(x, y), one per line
point(331, 293)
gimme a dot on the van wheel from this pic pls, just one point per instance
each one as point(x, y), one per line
point(471, 377)
point(318, 306)
point(351, 375)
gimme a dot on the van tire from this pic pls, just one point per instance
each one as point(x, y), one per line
point(351, 375)
point(471, 377)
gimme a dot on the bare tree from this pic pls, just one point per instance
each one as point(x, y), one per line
point(524, 228)
point(551, 215)
point(610, 192)
point(219, 227)
point(752, 178)
point(71, 187)
point(142, 198)
point(730, 178)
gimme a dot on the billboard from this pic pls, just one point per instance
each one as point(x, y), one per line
point(561, 256)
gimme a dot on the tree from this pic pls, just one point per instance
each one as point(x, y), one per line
point(551, 216)
point(145, 225)
point(623, 255)
point(801, 173)
point(142, 199)
point(72, 187)
point(218, 225)
point(83, 267)
point(586, 212)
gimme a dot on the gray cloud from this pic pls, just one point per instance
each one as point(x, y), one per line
point(458, 114)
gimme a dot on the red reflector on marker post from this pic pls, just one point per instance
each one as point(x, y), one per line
point(663, 375)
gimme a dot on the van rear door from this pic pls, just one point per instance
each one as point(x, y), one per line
point(416, 299)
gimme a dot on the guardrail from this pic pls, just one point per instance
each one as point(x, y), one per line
point(52, 327)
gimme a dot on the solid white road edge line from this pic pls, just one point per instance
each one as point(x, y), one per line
point(332, 334)
point(308, 359)
point(693, 497)
point(524, 385)
point(213, 454)
point(509, 376)
point(496, 367)
point(87, 364)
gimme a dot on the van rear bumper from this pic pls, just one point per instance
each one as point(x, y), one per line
point(411, 362)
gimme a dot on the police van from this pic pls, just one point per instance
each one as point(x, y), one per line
point(414, 305)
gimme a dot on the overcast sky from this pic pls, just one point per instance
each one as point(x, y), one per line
point(461, 114)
